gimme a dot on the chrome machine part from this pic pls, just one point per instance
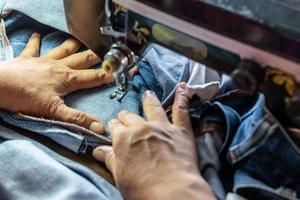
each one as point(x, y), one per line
point(118, 58)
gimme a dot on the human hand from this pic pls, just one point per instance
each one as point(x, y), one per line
point(155, 159)
point(36, 85)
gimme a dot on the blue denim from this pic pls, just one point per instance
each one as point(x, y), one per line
point(259, 153)
point(263, 149)
point(95, 101)
point(254, 189)
point(29, 170)
point(47, 12)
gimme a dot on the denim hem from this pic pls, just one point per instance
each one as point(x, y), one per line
point(281, 192)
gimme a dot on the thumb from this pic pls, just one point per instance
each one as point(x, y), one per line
point(70, 115)
point(105, 154)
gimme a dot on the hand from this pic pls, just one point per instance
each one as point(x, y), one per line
point(155, 159)
point(35, 85)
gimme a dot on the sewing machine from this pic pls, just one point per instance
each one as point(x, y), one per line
point(206, 31)
point(237, 37)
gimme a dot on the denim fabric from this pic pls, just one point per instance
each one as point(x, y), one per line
point(263, 149)
point(95, 101)
point(171, 68)
point(29, 170)
point(47, 12)
point(264, 159)
point(6, 51)
point(255, 189)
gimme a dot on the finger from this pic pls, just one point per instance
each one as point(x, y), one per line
point(70, 115)
point(152, 108)
point(32, 48)
point(134, 71)
point(67, 48)
point(114, 125)
point(82, 60)
point(180, 107)
point(129, 119)
point(89, 78)
point(105, 154)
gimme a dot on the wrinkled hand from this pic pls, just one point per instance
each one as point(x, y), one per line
point(155, 159)
point(35, 85)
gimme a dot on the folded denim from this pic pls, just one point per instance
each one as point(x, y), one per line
point(29, 170)
point(263, 149)
point(257, 145)
point(254, 189)
point(171, 68)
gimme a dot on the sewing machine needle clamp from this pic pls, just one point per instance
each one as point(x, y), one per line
point(122, 86)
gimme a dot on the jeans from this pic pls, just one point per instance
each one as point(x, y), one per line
point(259, 158)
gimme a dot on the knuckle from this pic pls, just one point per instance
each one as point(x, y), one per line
point(183, 107)
point(90, 57)
point(100, 74)
point(67, 51)
point(70, 77)
point(79, 118)
point(54, 103)
point(103, 76)
point(152, 103)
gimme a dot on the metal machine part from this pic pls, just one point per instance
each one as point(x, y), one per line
point(118, 58)
point(248, 76)
point(228, 36)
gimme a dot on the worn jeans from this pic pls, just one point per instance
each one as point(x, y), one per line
point(258, 156)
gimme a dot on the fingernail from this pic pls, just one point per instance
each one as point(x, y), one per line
point(35, 34)
point(123, 112)
point(97, 127)
point(114, 121)
point(99, 153)
point(182, 86)
point(148, 93)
